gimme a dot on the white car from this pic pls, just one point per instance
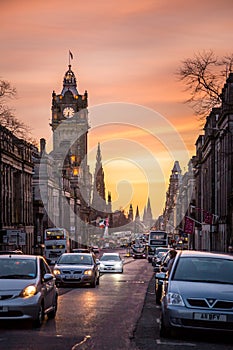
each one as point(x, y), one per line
point(111, 262)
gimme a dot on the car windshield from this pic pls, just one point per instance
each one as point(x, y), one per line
point(204, 269)
point(110, 258)
point(75, 259)
point(11, 268)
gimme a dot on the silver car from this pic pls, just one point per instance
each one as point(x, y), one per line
point(77, 269)
point(111, 262)
point(27, 289)
point(198, 294)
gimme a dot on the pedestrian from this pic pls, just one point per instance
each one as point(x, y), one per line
point(172, 254)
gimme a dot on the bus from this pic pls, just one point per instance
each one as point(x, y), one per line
point(156, 239)
point(56, 242)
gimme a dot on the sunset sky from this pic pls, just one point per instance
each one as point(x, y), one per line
point(126, 55)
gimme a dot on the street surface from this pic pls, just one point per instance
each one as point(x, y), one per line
point(112, 316)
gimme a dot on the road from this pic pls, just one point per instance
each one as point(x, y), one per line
point(119, 314)
point(88, 318)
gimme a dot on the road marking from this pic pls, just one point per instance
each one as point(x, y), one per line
point(159, 342)
point(87, 337)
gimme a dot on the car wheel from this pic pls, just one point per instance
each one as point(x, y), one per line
point(51, 314)
point(93, 283)
point(158, 294)
point(98, 281)
point(165, 332)
point(40, 317)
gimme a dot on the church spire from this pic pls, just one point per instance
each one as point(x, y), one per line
point(98, 201)
point(137, 216)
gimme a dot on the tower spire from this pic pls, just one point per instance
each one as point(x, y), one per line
point(99, 184)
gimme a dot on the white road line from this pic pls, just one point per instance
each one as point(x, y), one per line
point(159, 342)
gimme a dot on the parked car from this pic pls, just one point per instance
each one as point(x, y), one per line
point(77, 269)
point(161, 267)
point(27, 288)
point(157, 251)
point(156, 261)
point(198, 293)
point(111, 262)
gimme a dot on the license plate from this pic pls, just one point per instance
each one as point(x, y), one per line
point(72, 277)
point(210, 317)
point(3, 308)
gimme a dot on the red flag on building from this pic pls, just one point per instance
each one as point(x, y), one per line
point(208, 218)
point(188, 225)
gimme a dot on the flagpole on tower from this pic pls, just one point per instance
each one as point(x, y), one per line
point(70, 56)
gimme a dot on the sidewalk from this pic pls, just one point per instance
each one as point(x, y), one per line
point(148, 326)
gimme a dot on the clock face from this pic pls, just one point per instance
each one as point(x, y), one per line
point(68, 112)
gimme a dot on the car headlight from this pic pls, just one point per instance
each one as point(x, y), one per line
point(88, 272)
point(28, 292)
point(174, 299)
point(118, 265)
point(56, 272)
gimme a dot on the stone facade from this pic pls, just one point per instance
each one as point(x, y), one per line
point(16, 198)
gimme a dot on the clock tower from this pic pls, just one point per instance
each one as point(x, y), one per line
point(70, 118)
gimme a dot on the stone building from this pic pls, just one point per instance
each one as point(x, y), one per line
point(214, 176)
point(170, 218)
point(205, 193)
point(16, 199)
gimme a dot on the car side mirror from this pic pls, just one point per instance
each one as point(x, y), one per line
point(161, 276)
point(48, 277)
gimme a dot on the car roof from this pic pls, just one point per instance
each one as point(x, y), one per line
point(80, 250)
point(18, 256)
point(202, 253)
point(78, 253)
point(111, 254)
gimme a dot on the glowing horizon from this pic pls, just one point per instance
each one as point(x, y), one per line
point(125, 54)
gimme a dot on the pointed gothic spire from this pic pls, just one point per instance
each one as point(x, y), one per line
point(98, 201)
point(137, 216)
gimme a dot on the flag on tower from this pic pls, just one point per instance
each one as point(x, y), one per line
point(71, 55)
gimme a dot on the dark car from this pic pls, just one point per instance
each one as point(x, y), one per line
point(81, 250)
point(77, 269)
point(162, 268)
point(27, 288)
point(198, 293)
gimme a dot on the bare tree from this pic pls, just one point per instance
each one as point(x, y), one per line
point(204, 76)
point(7, 116)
